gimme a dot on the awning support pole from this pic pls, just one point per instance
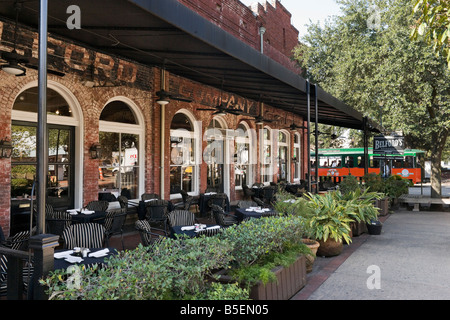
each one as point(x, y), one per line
point(316, 105)
point(42, 141)
point(308, 133)
point(366, 146)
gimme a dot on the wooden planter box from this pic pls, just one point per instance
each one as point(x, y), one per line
point(383, 205)
point(358, 228)
point(289, 281)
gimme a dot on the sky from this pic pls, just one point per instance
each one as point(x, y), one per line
point(303, 11)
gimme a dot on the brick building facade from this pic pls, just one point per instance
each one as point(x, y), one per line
point(94, 80)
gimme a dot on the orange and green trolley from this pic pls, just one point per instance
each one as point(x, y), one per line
point(335, 164)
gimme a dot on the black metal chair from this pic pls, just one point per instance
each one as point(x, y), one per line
point(157, 211)
point(114, 223)
point(147, 234)
point(222, 218)
point(84, 235)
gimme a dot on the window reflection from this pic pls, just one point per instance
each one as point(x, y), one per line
point(118, 170)
point(182, 154)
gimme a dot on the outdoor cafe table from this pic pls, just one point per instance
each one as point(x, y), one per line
point(61, 258)
point(189, 231)
point(87, 216)
point(244, 213)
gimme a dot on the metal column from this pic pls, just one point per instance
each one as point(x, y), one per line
point(42, 139)
point(366, 146)
point(316, 106)
point(308, 130)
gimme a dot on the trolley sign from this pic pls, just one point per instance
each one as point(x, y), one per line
point(388, 144)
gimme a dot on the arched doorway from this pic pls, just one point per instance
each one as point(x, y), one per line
point(120, 136)
point(216, 157)
point(63, 181)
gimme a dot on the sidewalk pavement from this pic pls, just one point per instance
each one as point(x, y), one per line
point(411, 257)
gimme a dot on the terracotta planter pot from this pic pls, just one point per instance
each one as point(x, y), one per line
point(313, 245)
point(330, 248)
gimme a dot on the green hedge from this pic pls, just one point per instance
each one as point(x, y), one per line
point(179, 268)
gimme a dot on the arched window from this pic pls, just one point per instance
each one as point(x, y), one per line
point(296, 158)
point(120, 140)
point(283, 156)
point(61, 147)
point(182, 154)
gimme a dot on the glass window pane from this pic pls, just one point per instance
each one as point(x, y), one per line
point(58, 145)
point(118, 111)
point(56, 104)
point(22, 177)
point(175, 179)
point(24, 143)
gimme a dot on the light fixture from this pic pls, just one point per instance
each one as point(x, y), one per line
point(162, 101)
point(95, 151)
point(13, 68)
point(5, 149)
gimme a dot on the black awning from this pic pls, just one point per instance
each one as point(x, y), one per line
point(167, 33)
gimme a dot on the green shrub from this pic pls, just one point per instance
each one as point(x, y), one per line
point(349, 184)
point(395, 186)
point(255, 238)
point(172, 269)
point(374, 182)
point(220, 291)
point(179, 268)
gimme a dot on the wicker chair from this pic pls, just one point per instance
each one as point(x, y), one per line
point(181, 218)
point(85, 235)
point(246, 204)
point(98, 205)
point(209, 232)
point(149, 196)
point(148, 236)
point(222, 218)
point(114, 222)
point(56, 221)
point(157, 211)
point(248, 193)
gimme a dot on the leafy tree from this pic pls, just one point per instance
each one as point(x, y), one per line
point(365, 57)
point(434, 24)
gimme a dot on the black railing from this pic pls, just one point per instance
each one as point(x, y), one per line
point(15, 265)
point(41, 256)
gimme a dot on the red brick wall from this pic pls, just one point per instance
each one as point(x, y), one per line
point(239, 20)
point(140, 86)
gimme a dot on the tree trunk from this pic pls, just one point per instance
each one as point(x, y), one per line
point(436, 156)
